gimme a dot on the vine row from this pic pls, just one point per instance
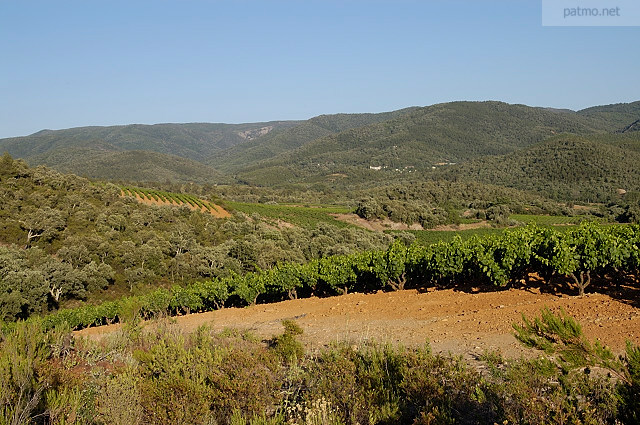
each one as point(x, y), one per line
point(610, 252)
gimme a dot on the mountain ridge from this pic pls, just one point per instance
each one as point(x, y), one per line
point(327, 151)
point(442, 133)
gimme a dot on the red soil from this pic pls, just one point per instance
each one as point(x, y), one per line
point(466, 323)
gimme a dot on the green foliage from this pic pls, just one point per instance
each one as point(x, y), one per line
point(415, 141)
point(547, 220)
point(213, 293)
point(306, 217)
point(164, 376)
point(336, 275)
point(185, 300)
point(274, 143)
point(571, 353)
point(286, 345)
point(437, 202)
point(136, 152)
point(81, 238)
point(120, 400)
point(127, 242)
point(168, 197)
point(550, 332)
point(429, 237)
point(630, 393)
point(23, 352)
point(504, 259)
point(249, 287)
point(565, 167)
point(330, 150)
point(112, 245)
point(590, 249)
point(188, 380)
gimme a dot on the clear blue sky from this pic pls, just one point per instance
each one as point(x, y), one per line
point(76, 63)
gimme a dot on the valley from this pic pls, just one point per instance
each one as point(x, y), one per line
point(319, 213)
point(431, 236)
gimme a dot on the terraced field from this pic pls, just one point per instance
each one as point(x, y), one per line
point(158, 197)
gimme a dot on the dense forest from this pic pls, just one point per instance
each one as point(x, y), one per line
point(67, 239)
point(565, 167)
point(130, 165)
point(451, 132)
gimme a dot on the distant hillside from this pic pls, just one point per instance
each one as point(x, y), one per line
point(565, 167)
point(328, 151)
point(196, 141)
point(424, 137)
point(617, 116)
point(140, 166)
point(634, 126)
point(274, 143)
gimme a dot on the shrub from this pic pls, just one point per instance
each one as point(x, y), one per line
point(286, 344)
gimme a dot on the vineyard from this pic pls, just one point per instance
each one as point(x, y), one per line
point(548, 220)
point(578, 256)
point(428, 237)
point(159, 197)
point(303, 216)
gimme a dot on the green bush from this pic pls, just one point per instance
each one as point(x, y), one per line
point(286, 345)
point(163, 376)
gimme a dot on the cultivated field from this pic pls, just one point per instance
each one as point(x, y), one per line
point(157, 197)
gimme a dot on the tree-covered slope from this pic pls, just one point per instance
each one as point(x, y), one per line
point(133, 165)
point(617, 116)
point(196, 141)
point(424, 137)
point(274, 143)
point(565, 167)
point(328, 151)
point(65, 239)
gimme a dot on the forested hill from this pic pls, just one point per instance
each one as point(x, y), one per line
point(274, 143)
point(100, 151)
point(332, 150)
point(425, 137)
point(196, 141)
point(617, 116)
point(590, 168)
point(140, 166)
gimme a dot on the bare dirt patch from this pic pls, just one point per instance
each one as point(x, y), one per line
point(462, 226)
point(386, 224)
point(463, 323)
point(375, 225)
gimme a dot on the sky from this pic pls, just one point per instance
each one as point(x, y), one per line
point(78, 63)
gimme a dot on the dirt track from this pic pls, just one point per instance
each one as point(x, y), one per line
point(459, 322)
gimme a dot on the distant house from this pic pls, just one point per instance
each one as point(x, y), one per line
point(371, 167)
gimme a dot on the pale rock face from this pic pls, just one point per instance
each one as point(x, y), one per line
point(252, 134)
